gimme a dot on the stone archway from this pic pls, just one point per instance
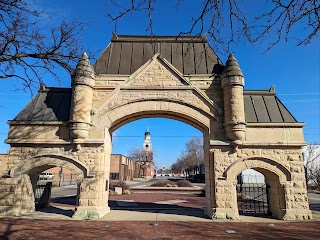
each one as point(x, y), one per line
point(276, 177)
point(162, 76)
point(25, 175)
point(176, 111)
point(42, 162)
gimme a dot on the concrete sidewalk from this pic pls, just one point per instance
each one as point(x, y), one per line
point(145, 207)
point(152, 215)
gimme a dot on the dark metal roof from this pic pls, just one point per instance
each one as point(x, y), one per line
point(265, 107)
point(52, 104)
point(190, 55)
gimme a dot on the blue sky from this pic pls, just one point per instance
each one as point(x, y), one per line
point(293, 70)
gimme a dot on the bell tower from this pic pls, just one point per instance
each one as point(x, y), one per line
point(147, 156)
point(147, 146)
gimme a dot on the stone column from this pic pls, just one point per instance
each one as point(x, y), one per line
point(209, 175)
point(232, 82)
point(296, 199)
point(92, 201)
point(16, 195)
point(93, 192)
point(81, 102)
point(223, 193)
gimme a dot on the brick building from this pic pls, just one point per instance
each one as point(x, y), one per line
point(122, 168)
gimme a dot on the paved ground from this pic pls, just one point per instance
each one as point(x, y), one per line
point(156, 216)
point(12, 229)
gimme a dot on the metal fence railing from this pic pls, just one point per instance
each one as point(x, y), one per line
point(42, 194)
point(252, 195)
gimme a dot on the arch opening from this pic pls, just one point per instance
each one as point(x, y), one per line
point(46, 174)
point(200, 125)
point(168, 138)
point(259, 187)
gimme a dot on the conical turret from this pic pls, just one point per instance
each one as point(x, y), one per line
point(83, 81)
point(84, 73)
point(232, 67)
point(232, 82)
point(232, 73)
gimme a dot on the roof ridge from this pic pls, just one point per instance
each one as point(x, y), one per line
point(159, 38)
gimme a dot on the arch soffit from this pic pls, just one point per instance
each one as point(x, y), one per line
point(257, 163)
point(135, 110)
point(53, 160)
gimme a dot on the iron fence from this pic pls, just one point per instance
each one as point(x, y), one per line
point(252, 197)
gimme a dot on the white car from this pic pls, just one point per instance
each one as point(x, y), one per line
point(46, 176)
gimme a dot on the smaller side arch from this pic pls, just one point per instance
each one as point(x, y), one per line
point(50, 160)
point(257, 163)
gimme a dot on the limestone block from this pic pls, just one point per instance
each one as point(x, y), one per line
point(83, 202)
point(229, 204)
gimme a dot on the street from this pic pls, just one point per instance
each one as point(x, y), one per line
point(147, 183)
point(67, 191)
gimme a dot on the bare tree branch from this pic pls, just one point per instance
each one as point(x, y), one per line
point(225, 23)
point(192, 157)
point(311, 155)
point(31, 47)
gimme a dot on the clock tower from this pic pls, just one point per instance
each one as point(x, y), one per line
point(147, 156)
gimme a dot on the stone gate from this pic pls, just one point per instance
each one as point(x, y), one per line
point(174, 77)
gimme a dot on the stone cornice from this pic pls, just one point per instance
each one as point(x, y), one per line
point(38, 141)
point(281, 125)
point(42, 123)
point(258, 144)
point(120, 77)
point(113, 77)
point(273, 144)
point(53, 142)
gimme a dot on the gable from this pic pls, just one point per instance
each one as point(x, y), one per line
point(157, 72)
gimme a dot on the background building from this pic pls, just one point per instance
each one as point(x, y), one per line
point(122, 168)
point(146, 157)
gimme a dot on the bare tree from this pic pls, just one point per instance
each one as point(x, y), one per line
point(135, 152)
point(142, 156)
point(191, 158)
point(311, 155)
point(32, 46)
point(228, 21)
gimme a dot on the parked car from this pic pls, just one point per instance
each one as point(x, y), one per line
point(46, 176)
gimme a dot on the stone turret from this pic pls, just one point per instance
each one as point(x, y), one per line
point(232, 82)
point(83, 81)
